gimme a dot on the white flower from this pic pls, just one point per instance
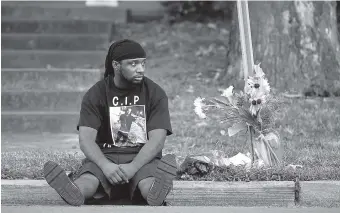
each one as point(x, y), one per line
point(228, 93)
point(198, 107)
point(258, 71)
point(264, 86)
point(254, 109)
point(257, 85)
point(256, 104)
point(249, 88)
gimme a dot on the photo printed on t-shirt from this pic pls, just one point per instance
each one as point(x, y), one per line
point(128, 125)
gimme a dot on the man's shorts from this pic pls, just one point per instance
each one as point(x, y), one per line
point(120, 156)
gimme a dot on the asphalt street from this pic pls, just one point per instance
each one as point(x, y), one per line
point(167, 209)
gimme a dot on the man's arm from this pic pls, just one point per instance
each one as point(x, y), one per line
point(150, 150)
point(159, 127)
point(91, 150)
point(87, 137)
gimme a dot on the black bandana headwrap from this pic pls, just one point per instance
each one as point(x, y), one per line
point(121, 50)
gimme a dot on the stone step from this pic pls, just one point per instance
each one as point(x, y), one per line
point(141, 6)
point(49, 79)
point(134, 5)
point(39, 122)
point(23, 141)
point(31, 41)
point(63, 12)
point(41, 100)
point(56, 26)
point(45, 4)
point(52, 59)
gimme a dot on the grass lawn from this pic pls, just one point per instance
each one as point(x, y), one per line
point(309, 129)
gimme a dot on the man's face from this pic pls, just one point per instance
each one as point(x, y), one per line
point(133, 70)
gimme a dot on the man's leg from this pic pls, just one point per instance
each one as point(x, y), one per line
point(145, 185)
point(74, 193)
point(88, 184)
point(155, 180)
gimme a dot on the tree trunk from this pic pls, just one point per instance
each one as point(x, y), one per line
point(296, 43)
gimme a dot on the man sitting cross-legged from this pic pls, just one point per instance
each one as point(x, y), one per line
point(114, 167)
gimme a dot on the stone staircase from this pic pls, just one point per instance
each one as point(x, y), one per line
point(51, 54)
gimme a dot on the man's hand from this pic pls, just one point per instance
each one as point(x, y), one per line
point(128, 169)
point(114, 174)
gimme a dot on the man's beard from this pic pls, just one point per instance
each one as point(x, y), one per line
point(133, 80)
point(137, 82)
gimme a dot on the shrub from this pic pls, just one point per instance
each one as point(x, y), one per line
point(198, 11)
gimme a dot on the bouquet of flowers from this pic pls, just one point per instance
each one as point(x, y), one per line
point(254, 110)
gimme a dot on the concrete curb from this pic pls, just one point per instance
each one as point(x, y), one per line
point(195, 193)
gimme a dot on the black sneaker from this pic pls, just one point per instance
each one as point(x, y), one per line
point(57, 178)
point(165, 174)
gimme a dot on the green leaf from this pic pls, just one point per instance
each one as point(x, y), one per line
point(237, 127)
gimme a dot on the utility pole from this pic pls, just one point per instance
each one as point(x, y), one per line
point(247, 54)
point(245, 36)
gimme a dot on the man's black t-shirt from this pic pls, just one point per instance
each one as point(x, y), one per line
point(124, 117)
